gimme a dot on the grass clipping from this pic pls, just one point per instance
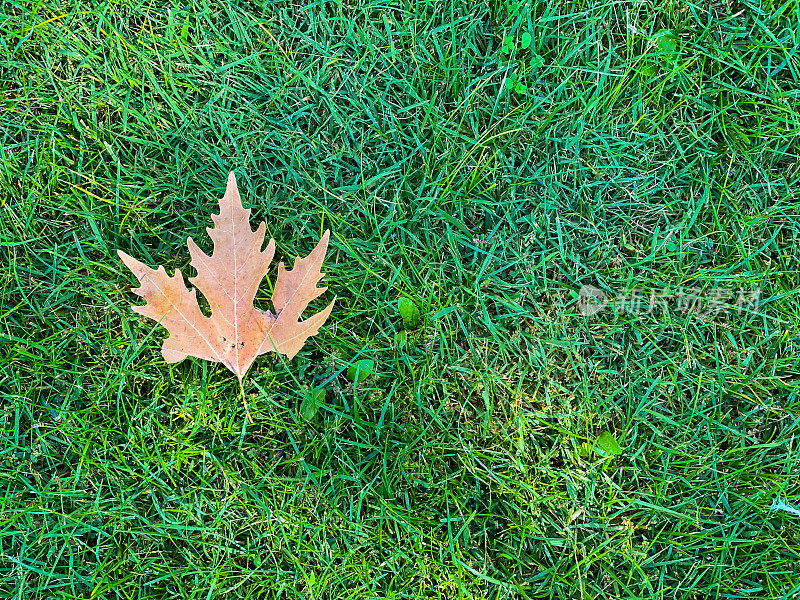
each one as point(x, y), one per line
point(236, 332)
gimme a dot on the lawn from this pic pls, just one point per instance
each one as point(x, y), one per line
point(481, 166)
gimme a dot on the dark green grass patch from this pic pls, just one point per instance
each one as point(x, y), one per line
point(484, 162)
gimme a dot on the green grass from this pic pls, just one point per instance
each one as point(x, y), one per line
point(485, 182)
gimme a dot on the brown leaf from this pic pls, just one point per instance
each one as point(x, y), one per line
point(236, 332)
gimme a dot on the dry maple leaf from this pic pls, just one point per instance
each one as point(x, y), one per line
point(236, 332)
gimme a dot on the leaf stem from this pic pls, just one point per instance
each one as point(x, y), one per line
point(244, 401)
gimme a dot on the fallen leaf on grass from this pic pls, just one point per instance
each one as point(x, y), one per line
point(608, 444)
point(236, 332)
